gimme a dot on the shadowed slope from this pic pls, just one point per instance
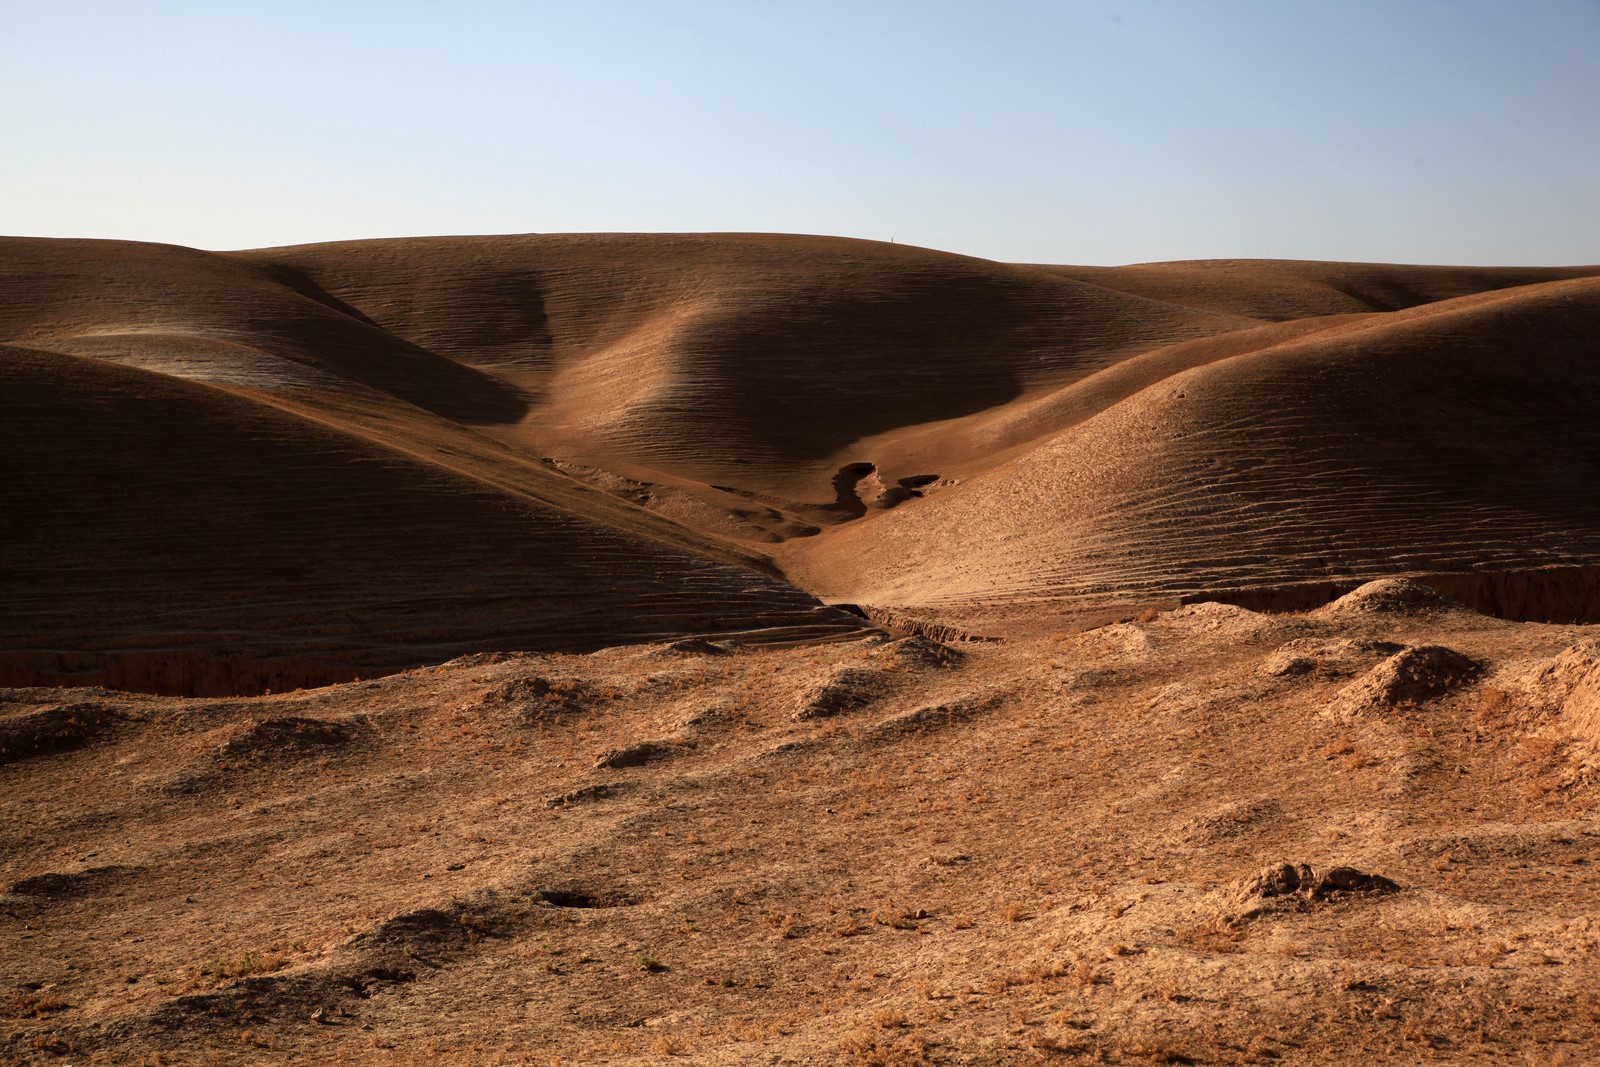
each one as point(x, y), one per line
point(214, 318)
point(1452, 436)
point(749, 359)
point(180, 538)
point(270, 334)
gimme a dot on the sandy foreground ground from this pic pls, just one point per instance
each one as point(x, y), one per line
point(1202, 835)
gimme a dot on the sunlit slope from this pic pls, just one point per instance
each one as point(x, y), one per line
point(1455, 435)
point(145, 514)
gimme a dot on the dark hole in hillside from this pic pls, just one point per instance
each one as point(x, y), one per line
point(584, 898)
point(847, 496)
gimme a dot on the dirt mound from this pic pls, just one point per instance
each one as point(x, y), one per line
point(1564, 692)
point(929, 717)
point(584, 795)
point(918, 652)
point(1414, 676)
point(1227, 620)
point(57, 729)
point(1231, 820)
point(1397, 596)
point(538, 700)
point(421, 932)
point(640, 753)
point(1574, 675)
point(842, 690)
point(288, 735)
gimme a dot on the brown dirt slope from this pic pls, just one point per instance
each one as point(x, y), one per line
point(1277, 290)
point(1446, 437)
point(751, 359)
point(165, 534)
point(382, 385)
point(707, 818)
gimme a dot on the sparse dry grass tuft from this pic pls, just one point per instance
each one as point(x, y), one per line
point(1216, 934)
point(668, 1046)
point(247, 965)
point(786, 925)
point(872, 1047)
point(1153, 1045)
point(34, 1005)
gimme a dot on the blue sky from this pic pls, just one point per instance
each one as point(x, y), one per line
point(1070, 132)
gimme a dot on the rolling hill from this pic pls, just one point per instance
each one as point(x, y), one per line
point(274, 466)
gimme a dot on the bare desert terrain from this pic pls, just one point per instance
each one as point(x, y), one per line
point(792, 650)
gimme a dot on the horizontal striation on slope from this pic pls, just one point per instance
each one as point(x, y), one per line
point(269, 333)
point(1454, 436)
point(146, 514)
point(217, 318)
point(1278, 290)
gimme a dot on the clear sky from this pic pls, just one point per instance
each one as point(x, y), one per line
point(1076, 131)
